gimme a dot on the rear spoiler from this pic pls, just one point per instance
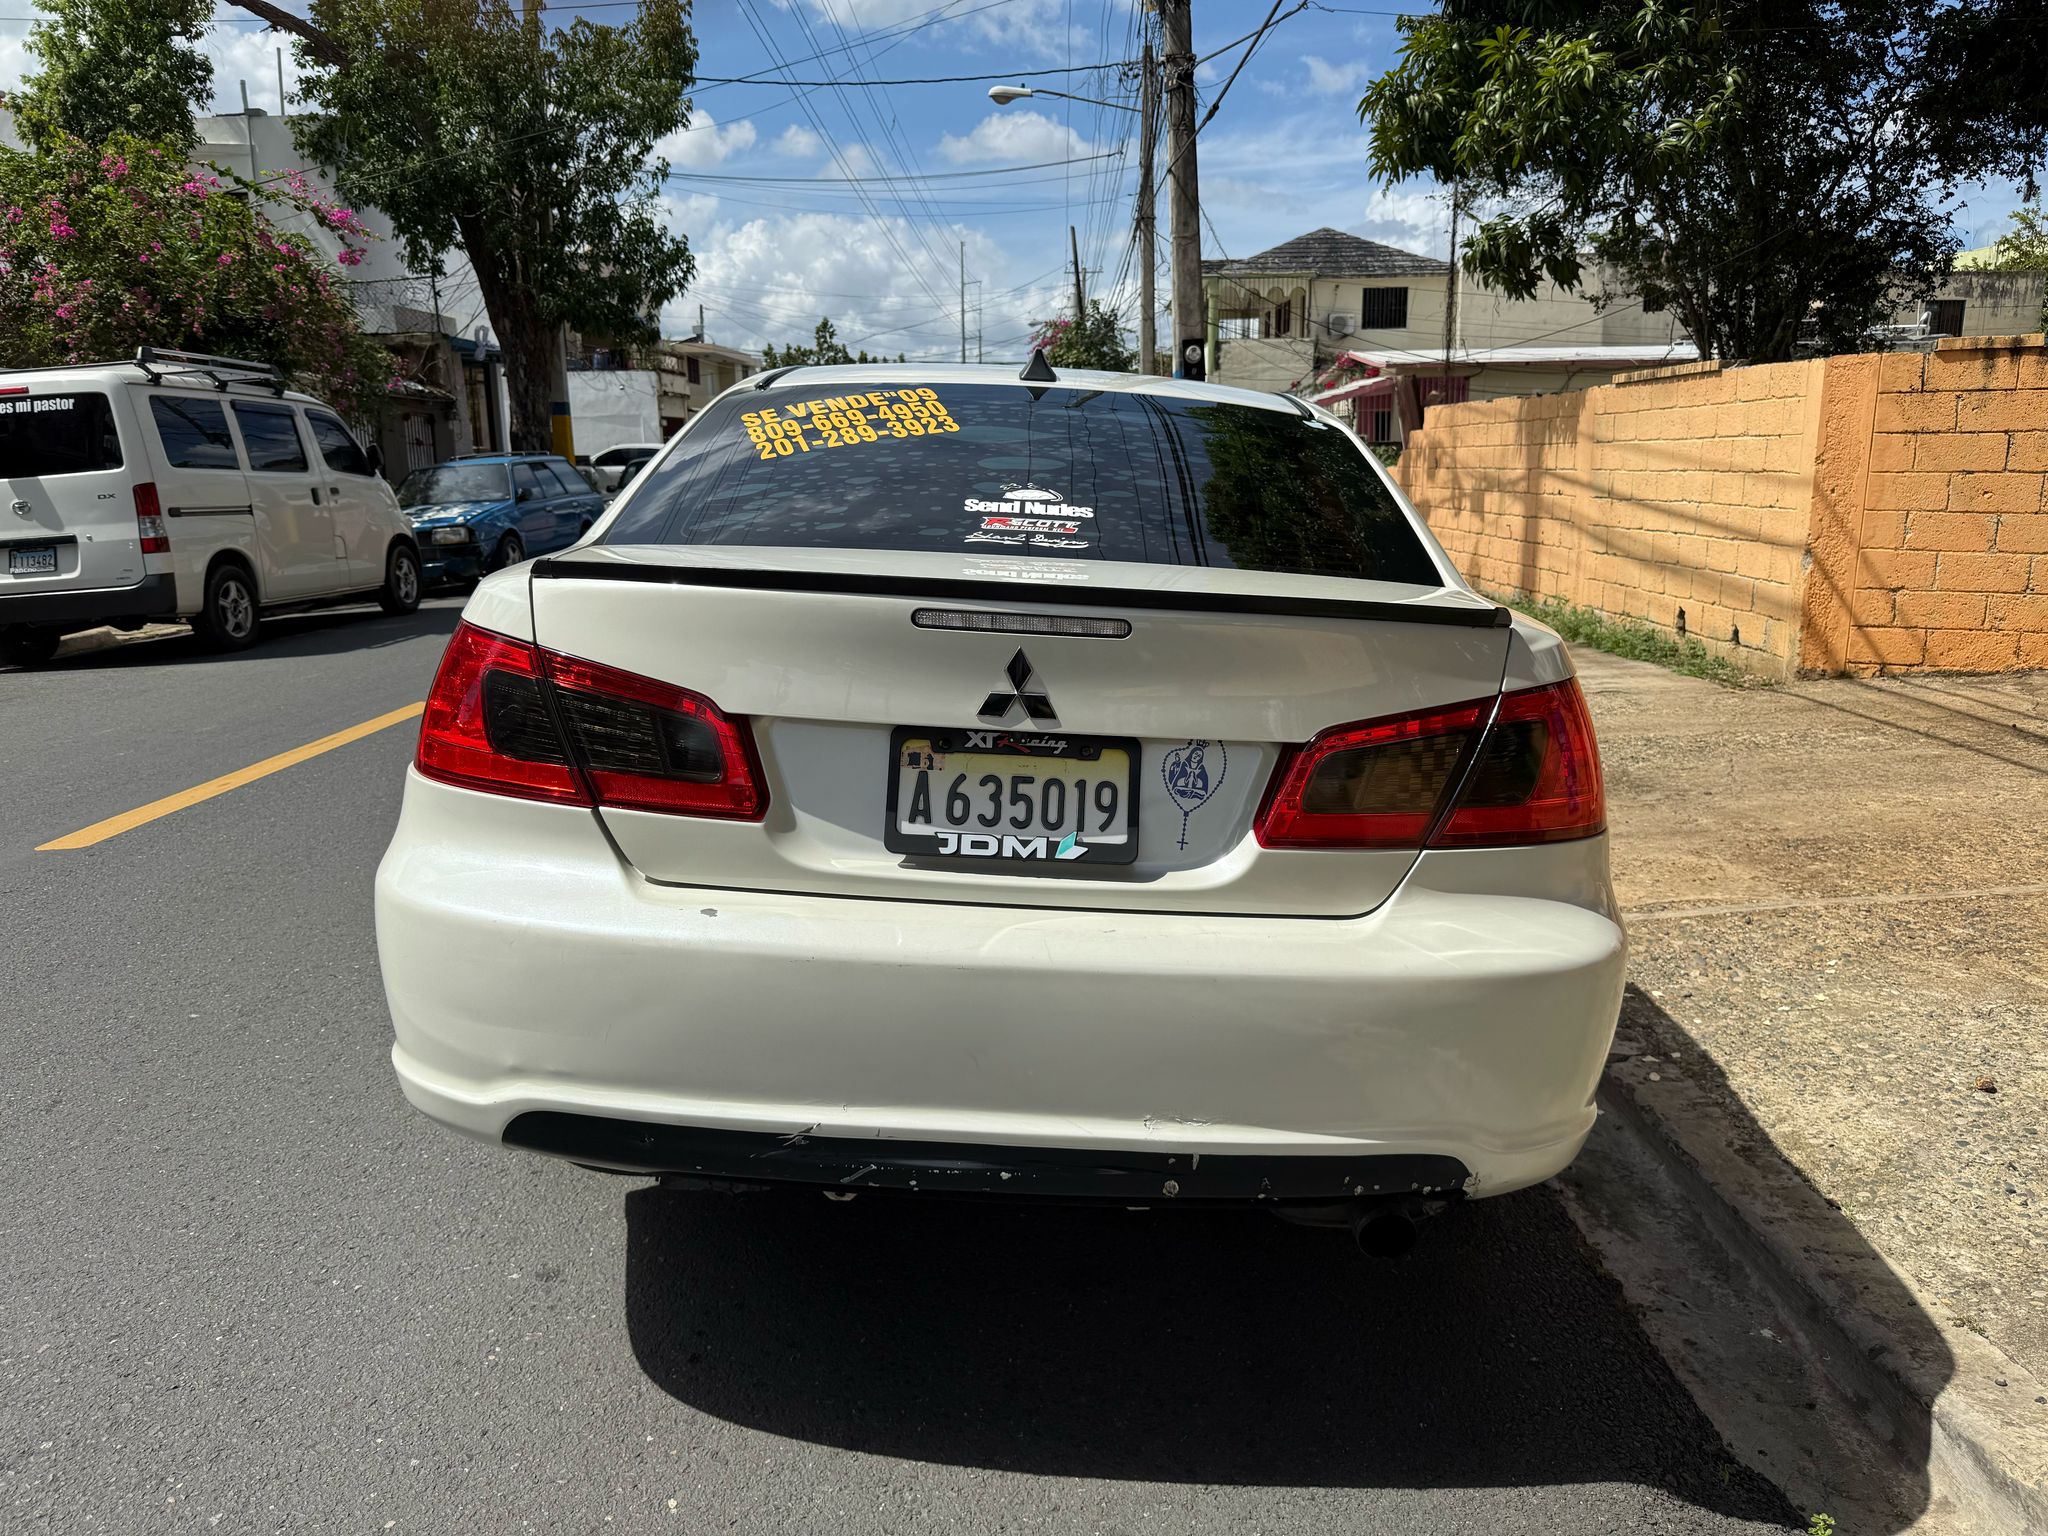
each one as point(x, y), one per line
point(959, 589)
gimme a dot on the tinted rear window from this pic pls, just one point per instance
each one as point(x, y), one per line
point(1061, 473)
point(60, 433)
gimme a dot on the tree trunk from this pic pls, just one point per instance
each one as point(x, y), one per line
point(523, 337)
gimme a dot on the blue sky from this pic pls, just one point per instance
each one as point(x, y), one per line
point(1284, 154)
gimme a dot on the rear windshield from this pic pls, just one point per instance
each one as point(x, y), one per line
point(1062, 473)
point(67, 433)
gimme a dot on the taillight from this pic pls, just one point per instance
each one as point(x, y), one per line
point(641, 744)
point(1522, 770)
point(149, 520)
point(1537, 776)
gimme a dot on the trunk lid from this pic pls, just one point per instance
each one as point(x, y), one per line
point(825, 654)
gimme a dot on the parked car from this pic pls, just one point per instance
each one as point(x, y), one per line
point(483, 512)
point(184, 486)
point(616, 465)
point(1094, 787)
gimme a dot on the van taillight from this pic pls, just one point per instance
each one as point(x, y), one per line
point(639, 744)
point(149, 520)
point(1520, 769)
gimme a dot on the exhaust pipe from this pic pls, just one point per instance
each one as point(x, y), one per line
point(1383, 1232)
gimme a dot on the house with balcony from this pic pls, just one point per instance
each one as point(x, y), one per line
point(1327, 300)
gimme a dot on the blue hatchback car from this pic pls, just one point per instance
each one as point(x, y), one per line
point(487, 511)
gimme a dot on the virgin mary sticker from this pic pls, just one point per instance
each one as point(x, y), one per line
point(1193, 772)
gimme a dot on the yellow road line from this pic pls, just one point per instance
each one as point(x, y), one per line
point(128, 821)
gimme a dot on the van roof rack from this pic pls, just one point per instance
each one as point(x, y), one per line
point(161, 363)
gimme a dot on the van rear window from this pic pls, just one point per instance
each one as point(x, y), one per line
point(68, 432)
point(1063, 473)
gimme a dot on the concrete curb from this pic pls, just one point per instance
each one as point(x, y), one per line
point(1988, 1434)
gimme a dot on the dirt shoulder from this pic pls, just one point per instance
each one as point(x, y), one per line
point(1839, 891)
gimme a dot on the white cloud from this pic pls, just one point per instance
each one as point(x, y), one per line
point(796, 142)
point(1327, 79)
point(704, 143)
point(1010, 137)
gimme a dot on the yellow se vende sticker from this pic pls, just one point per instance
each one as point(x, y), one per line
point(845, 421)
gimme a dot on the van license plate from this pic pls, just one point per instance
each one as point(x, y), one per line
point(1013, 795)
point(32, 560)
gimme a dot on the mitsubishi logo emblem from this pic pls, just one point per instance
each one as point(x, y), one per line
point(1037, 706)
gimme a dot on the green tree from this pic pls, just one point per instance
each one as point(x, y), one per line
point(825, 347)
point(2024, 248)
point(1767, 170)
point(1095, 341)
point(116, 66)
point(530, 147)
point(104, 248)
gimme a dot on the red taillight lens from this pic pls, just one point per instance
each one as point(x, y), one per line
point(1537, 776)
point(149, 520)
point(642, 744)
point(486, 727)
point(651, 746)
point(1533, 776)
point(1378, 784)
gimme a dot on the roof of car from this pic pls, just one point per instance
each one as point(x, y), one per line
point(499, 456)
point(853, 375)
point(131, 372)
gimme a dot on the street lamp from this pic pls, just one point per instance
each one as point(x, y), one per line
point(1003, 95)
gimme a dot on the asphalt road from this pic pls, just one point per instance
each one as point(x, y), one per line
point(243, 1287)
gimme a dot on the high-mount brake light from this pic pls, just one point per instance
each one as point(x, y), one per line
point(490, 725)
point(1523, 769)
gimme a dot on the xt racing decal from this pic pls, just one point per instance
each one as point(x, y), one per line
point(1193, 773)
point(846, 421)
point(1028, 525)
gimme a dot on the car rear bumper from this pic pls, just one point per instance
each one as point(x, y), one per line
point(150, 598)
point(532, 975)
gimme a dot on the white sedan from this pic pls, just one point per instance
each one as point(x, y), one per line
point(934, 778)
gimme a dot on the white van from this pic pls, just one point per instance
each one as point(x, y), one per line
point(183, 486)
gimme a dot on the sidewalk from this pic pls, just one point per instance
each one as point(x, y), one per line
point(1837, 894)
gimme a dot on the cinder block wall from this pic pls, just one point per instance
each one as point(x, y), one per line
point(1686, 490)
point(1849, 513)
point(1930, 536)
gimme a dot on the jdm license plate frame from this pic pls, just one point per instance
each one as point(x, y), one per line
point(19, 565)
point(1024, 744)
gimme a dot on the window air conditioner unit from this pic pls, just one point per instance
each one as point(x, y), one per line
point(1339, 324)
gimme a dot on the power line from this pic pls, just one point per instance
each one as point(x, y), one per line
point(1000, 170)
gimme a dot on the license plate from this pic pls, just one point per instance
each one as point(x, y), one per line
point(34, 560)
point(1013, 795)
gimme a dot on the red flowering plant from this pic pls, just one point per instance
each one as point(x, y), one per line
point(104, 249)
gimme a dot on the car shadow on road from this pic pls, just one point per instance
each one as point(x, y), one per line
point(322, 632)
point(1168, 1346)
point(1890, 1360)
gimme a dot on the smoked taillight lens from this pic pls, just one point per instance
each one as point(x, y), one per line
point(1537, 776)
point(639, 744)
point(1522, 769)
point(149, 520)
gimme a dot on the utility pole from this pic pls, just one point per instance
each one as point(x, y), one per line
point(1450, 302)
point(963, 301)
point(1080, 301)
point(1190, 355)
point(1148, 203)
